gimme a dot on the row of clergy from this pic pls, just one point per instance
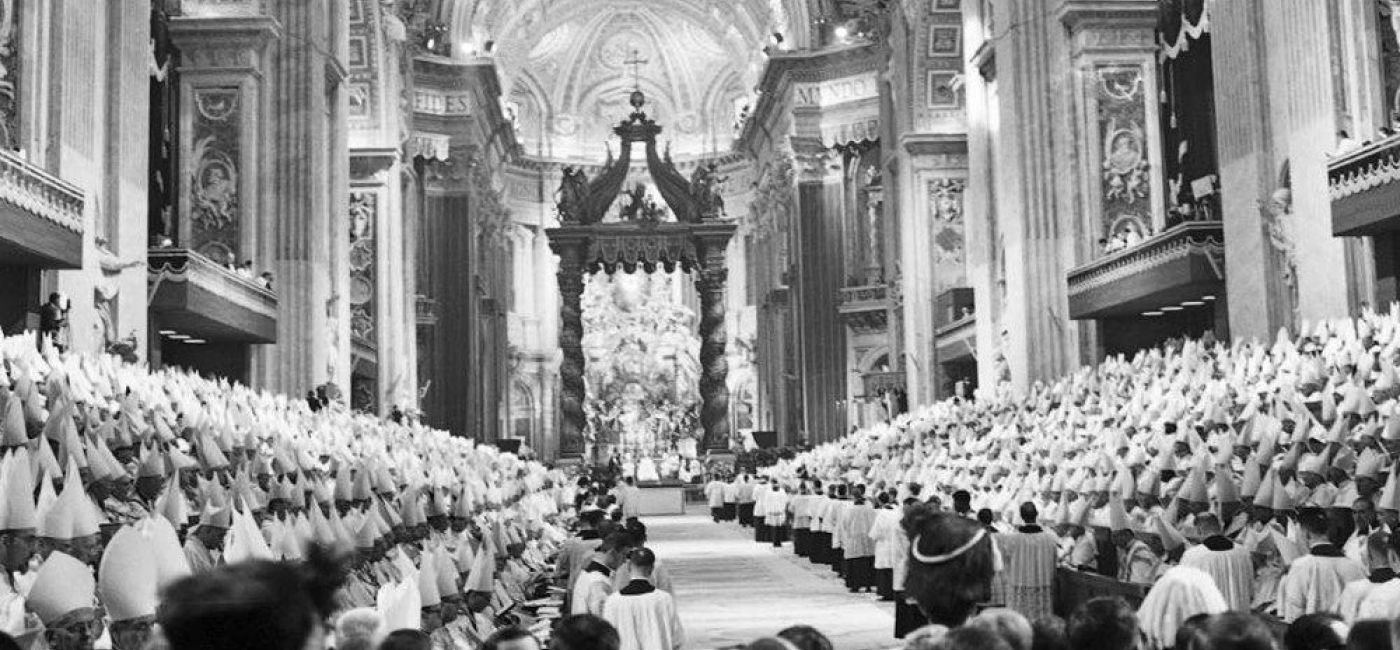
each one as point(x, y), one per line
point(108, 466)
point(1288, 448)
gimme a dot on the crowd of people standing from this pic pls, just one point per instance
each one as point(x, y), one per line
point(1196, 478)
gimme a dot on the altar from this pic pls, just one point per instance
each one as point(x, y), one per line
point(662, 498)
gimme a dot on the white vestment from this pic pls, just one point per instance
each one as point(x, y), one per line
point(645, 621)
point(590, 590)
point(1232, 570)
point(1314, 584)
point(1381, 601)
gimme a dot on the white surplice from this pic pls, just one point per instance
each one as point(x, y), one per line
point(1232, 570)
point(1314, 584)
point(645, 621)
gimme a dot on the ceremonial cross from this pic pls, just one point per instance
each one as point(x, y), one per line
point(636, 61)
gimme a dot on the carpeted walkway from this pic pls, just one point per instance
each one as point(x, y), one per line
point(731, 590)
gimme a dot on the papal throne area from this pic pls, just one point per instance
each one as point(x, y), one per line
point(700, 324)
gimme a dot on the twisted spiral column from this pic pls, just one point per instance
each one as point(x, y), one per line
point(714, 389)
point(572, 419)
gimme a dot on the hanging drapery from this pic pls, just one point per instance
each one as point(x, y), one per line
point(1187, 83)
point(1180, 22)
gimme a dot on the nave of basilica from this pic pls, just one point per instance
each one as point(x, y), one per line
point(445, 280)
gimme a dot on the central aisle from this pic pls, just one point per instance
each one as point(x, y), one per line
point(731, 590)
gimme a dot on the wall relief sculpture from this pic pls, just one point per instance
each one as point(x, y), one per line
point(773, 198)
point(9, 74)
point(214, 209)
point(1120, 94)
point(364, 207)
point(949, 238)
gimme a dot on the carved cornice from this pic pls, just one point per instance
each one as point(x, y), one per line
point(1123, 26)
point(222, 8)
point(223, 43)
point(369, 162)
point(934, 144)
point(783, 70)
point(1084, 14)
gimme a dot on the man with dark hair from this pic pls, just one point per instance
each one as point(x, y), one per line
point(745, 498)
point(1377, 594)
point(1315, 581)
point(962, 503)
point(1316, 631)
point(857, 547)
point(406, 639)
point(629, 499)
point(575, 551)
point(805, 637)
point(714, 494)
point(1103, 624)
point(53, 317)
point(1030, 553)
point(1237, 631)
point(583, 632)
point(973, 638)
point(257, 604)
point(645, 617)
point(1231, 566)
point(595, 582)
point(511, 638)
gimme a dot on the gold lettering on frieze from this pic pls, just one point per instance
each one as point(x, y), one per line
point(431, 102)
point(837, 91)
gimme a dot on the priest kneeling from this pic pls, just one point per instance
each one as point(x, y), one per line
point(645, 617)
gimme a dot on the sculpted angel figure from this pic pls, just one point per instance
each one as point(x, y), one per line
point(705, 185)
point(572, 194)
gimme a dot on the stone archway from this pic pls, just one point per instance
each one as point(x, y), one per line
point(694, 242)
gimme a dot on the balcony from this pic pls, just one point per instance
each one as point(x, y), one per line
point(866, 308)
point(883, 383)
point(1364, 188)
point(426, 310)
point(1183, 263)
point(197, 297)
point(951, 306)
point(41, 217)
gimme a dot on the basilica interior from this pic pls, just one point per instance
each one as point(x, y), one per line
point(655, 225)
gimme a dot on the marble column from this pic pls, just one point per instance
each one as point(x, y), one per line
point(1275, 123)
point(304, 206)
point(1035, 226)
point(820, 274)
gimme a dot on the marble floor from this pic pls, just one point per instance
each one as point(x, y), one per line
point(731, 590)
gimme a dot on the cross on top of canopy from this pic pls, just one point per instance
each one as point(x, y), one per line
point(564, 66)
point(581, 202)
